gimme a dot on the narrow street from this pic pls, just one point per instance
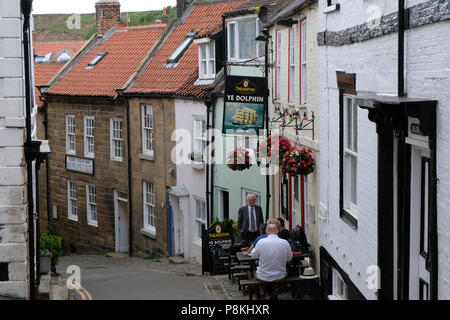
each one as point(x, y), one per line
point(104, 278)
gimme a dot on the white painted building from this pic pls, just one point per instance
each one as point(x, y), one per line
point(384, 189)
point(14, 251)
point(188, 198)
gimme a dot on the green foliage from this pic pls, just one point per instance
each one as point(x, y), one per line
point(52, 243)
point(229, 224)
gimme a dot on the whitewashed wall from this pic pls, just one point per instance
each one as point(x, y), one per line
point(13, 210)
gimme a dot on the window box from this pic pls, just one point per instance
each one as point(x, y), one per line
point(197, 161)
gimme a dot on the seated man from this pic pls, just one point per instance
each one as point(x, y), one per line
point(262, 231)
point(273, 254)
point(284, 233)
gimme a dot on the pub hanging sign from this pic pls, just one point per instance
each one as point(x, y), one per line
point(244, 103)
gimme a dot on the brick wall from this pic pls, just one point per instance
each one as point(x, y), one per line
point(13, 202)
point(109, 175)
point(107, 15)
point(156, 171)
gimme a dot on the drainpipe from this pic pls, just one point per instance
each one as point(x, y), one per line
point(208, 161)
point(47, 165)
point(31, 149)
point(401, 48)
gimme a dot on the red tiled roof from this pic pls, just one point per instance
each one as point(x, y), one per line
point(180, 80)
point(43, 73)
point(43, 48)
point(126, 49)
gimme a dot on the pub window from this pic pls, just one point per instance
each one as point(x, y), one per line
point(89, 137)
point(116, 140)
point(241, 39)
point(291, 64)
point(303, 74)
point(147, 130)
point(91, 202)
point(70, 135)
point(200, 216)
point(72, 199)
point(350, 161)
point(149, 207)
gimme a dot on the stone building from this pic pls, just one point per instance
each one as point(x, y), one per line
point(89, 132)
point(384, 100)
point(167, 95)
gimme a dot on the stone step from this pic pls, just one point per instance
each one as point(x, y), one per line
point(176, 260)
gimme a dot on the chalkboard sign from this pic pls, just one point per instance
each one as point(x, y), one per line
point(216, 242)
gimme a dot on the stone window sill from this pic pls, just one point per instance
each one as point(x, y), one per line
point(148, 157)
point(149, 233)
point(332, 8)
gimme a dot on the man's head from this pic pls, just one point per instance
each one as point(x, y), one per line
point(281, 222)
point(251, 200)
point(275, 222)
point(271, 229)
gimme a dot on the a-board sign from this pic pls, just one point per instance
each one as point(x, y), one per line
point(216, 242)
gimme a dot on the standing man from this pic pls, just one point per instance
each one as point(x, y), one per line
point(250, 219)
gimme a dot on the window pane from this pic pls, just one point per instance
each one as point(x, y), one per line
point(355, 128)
point(232, 40)
point(247, 43)
point(212, 53)
point(203, 51)
point(353, 179)
point(349, 120)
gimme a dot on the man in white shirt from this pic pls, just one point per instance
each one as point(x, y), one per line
point(273, 253)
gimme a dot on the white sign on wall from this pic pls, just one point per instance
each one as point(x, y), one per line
point(81, 165)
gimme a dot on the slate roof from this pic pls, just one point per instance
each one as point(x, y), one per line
point(126, 48)
point(179, 80)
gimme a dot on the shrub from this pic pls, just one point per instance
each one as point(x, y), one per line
point(53, 244)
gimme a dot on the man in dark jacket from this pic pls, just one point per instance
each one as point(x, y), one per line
point(250, 218)
point(284, 233)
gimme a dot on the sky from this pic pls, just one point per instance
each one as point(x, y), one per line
point(88, 6)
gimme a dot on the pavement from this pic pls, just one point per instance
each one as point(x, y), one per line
point(132, 278)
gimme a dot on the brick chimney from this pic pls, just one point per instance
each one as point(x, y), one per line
point(108, 15)
point(165, 18)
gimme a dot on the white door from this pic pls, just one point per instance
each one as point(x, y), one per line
point(122, 224)
point(419, 276)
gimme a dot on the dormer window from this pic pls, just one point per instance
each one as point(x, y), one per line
point(96, 60)
point(207, 60)
point(241, 39)
point(178, 53)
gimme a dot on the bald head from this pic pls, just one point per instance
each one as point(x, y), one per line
point(271, 229)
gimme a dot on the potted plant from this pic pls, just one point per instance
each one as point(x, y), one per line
point(45, 261)
point(52, 243)
point(239, 159)
point(196, 160)
point(298, 162)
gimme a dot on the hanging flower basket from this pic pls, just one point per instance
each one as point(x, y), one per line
point(298, 162)
point(239, 160)
point(280, 146)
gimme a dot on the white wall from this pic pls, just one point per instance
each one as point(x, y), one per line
point(375, 64)
point(193, 179)
point(13, 210)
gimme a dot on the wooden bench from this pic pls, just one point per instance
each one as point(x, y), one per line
point(252, 283)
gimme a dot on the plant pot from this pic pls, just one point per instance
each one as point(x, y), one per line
point(45, 264)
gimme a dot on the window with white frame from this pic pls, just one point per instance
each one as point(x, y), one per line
point(199, 136)
point(149, 206)
point(91, 203)
point(350, 156)
point(340, 290)
point(303, 74)
point(89, 137)
point(241, 39)
point(200, 216)
point(70, 134)
point(207, 60)
point(246, 192)
point(147, 130)
point(116, 140)
point(72, 206)
point(278, 65)
point(291, 64)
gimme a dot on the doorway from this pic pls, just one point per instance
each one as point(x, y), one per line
point(419, 275)
point(121, 222)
